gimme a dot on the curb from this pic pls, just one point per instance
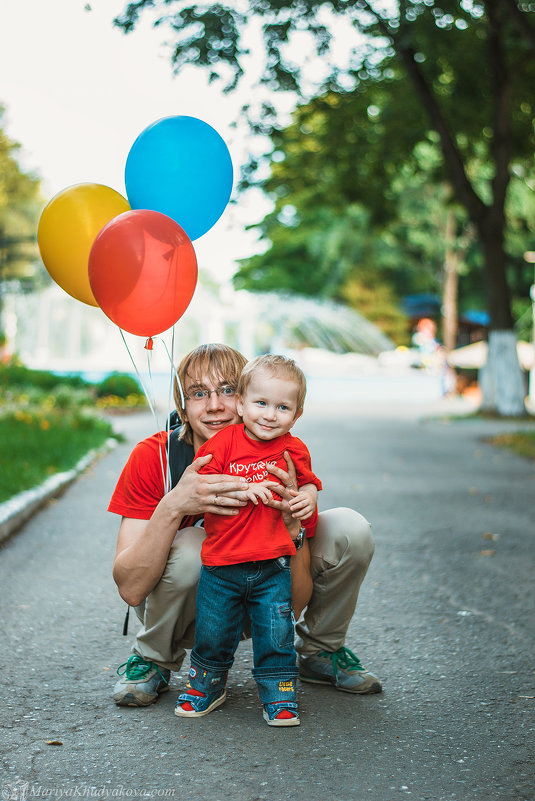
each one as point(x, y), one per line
point(18, 509)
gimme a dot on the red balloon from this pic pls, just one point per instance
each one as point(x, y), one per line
point(143, 271)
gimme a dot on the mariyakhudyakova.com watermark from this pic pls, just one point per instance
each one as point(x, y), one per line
point(21, 791)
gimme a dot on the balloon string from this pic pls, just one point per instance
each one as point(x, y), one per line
point(165, 471)
point(169, 400)
point(139, 378)
point(174, 373)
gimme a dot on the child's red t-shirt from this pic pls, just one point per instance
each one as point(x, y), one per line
point(256, 532)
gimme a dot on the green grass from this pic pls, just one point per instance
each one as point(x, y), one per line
point(34, 446)
point(520, 442)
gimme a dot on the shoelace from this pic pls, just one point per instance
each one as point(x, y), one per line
point(343, 659)
point(136, 667)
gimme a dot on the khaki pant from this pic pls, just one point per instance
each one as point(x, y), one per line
point(341, 552)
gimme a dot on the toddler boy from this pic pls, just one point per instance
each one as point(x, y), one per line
point(246, 558)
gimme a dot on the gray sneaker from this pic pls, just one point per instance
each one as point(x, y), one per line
point(141, 683)
point(340, 668)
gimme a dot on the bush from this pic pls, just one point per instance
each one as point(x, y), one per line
point(118, 392)
point(14, 374)
point(121, 385)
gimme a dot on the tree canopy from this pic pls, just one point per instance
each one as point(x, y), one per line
point(351, 207)
point(20, 206)
point(464, 69)
point(462, 73)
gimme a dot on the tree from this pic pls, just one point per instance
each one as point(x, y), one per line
point(20, 206)
point(368, 240)
point(468, 65)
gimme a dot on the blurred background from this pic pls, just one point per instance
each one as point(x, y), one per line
point(381, 222)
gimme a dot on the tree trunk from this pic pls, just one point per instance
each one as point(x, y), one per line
point(501, 379)
point(451, 279)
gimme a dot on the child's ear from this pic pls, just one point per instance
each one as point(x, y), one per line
point(239, 406)
point(297, 416)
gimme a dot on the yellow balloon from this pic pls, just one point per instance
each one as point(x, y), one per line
point(67, 229)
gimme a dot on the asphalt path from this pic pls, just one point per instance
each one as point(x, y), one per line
point(446, 618)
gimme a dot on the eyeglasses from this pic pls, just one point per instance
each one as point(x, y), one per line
point(202, 395)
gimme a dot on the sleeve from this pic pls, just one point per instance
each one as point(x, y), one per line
point(141, 485)
point(303, 464)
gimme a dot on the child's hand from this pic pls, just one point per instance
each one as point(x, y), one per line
point(256, 491)
point(303, 504)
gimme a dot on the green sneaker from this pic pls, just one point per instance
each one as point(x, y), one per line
point(142, 682)
point(342, 669)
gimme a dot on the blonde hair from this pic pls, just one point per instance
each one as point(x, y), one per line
point(215, 361)
point(276, 365)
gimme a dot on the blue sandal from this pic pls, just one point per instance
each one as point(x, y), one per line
point(272, 710)
point(201, 704)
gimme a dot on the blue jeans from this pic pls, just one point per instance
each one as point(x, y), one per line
point(226, 597)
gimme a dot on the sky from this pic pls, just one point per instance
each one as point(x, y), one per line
point(77, 93)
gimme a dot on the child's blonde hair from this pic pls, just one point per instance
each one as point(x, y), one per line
point(276, 365)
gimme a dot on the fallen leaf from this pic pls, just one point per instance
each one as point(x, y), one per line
point(53, 742)
point(489, 552)
point(488, 536)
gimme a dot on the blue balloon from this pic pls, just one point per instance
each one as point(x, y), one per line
point(181, 167)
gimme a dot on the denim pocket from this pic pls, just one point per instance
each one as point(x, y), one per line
point(282, 626)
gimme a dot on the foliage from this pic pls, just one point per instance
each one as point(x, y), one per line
point(115, 404)
point(314, 249)
point(15, 374)
point(118, 391)
point(463, 73)
point(45, 429)
point(20, 208)
point(376, 302)
point(38, 442)
point(119, 384)
point(320, 251)
point(412, 77)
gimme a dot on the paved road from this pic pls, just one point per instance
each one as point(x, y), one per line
point(446, 618)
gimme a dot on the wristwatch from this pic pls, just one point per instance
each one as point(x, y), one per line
point(300, 539)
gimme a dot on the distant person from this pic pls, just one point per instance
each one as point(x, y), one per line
point(246, 559)
point(425, 341)
point(157, 561)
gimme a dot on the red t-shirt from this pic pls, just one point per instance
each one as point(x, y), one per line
point(257, 532)
point(141, 485)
